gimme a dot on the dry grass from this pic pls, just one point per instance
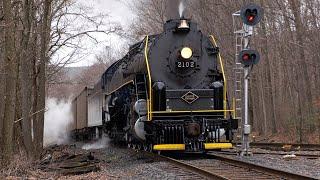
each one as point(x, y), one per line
point(22, 168)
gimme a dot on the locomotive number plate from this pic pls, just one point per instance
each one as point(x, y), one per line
point(186, 64)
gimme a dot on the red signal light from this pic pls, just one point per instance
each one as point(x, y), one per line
point(251, 18)
point(246, 57)
point(249, 57)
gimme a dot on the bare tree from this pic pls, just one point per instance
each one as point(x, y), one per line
point(151, 17)
point(44, 59)
point(10, 78)
point(25, 77)
point(2, 95)
point(73, 37)
point(2, 92)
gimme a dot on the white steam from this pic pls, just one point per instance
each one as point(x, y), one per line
point(56, 122)
point(100, 144)
point(181, 8)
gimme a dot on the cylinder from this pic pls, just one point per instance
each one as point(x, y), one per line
point(159, 97)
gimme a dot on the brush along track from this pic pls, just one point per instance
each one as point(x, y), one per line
point(216, 166)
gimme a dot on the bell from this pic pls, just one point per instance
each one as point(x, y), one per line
point(183, 24)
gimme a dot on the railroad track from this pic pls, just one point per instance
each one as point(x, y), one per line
point(246, 170)
point(310, 156)
point(282, 153)
point(288, 146)
point(214, 166)
point(180, 169)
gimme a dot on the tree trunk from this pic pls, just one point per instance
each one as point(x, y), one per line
point(10, 77)
point(25, 80)
point(2, 91)
point(45, 34)
point(33, 68)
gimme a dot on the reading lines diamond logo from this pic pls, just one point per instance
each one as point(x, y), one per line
point(190, 97)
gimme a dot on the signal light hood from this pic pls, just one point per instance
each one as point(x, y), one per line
point(251, 14)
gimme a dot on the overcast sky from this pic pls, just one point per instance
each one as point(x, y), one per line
point(117, 9)
point(118, 12)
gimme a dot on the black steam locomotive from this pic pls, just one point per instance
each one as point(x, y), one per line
point(169, 93)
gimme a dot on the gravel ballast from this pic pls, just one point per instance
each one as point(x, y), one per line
point(304, 165)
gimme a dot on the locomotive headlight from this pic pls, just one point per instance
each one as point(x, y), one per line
point(186, 52)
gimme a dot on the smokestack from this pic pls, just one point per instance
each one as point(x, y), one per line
point(172, 9)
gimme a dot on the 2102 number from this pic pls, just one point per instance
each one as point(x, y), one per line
point(182, 64)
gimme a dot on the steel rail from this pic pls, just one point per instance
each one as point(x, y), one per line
point(272, 153)
point(195, 169)
point(206, 174)
point(280, 145)
point(202, 169)
point(272, 171)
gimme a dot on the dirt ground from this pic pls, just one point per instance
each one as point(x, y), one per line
point(58, 162)
point(73, 162)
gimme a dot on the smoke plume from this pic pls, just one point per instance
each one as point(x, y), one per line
point(181, 8)
point(100, 144)
point(56, 122)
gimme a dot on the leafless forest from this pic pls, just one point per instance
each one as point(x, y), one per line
point(284, 99)
point(32, 32)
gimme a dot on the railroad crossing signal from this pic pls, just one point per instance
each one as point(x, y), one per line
point(251, 14)
point(249, 57)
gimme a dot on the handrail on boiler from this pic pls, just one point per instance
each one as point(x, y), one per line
point(149, 101)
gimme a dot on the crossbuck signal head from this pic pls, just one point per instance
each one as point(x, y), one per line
point(251, 14)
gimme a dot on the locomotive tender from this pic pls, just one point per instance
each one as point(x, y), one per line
point(168, 93)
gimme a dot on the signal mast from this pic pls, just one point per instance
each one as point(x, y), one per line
point(246, 58)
